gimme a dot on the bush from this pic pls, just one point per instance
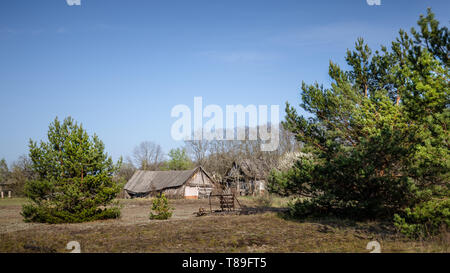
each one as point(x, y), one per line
point(48, 214)
point(161, 208)
point(303, 209)
point(424, 220)
point(264, 200)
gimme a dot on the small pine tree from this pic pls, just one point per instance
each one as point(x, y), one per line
point(161, 208)
point(74, 177)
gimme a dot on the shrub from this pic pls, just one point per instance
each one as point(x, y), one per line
point(264, 200)
point(48, 214)
point(303, 209)
point(424, 220)
point(161, 208)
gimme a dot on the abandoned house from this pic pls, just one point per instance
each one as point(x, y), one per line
point(189, 184)
point(5, 189)
point(246, 177)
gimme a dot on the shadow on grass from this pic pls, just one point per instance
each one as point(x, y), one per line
point(247, 210)
point(363, 229)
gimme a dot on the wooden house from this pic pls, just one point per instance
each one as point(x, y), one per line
point(246, 177)
point(5, 189)
point(188, 184)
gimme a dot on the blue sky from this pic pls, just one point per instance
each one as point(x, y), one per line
point(120, 66)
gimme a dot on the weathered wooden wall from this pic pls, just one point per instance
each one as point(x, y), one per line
point(202, 183)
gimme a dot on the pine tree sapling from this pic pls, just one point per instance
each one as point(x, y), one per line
point(160, 208)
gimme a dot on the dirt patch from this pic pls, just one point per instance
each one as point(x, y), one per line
point(134, 211)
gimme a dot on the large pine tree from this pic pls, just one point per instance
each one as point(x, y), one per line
point(378, 135)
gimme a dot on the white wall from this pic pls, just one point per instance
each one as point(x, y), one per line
point(190, 191)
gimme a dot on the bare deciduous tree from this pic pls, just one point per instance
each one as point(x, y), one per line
point(126, 170)
point(217, 156)
point(148, 156)
point(21, 172)
point(198, 150)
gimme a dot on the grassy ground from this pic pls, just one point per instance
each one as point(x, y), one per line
point(184, 232)
point(271, 200)
point(12, 202)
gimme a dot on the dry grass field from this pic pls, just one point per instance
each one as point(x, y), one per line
point(265, 231)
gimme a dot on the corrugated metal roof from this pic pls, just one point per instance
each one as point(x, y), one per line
point(147, 181)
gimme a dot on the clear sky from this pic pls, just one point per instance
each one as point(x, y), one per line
point(119, 66)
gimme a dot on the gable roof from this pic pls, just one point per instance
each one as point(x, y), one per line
point(6, 182)
point(147, 181)
point(250, 168)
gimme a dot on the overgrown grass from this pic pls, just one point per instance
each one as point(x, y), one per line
point(269, 200)
point(249, 233)
point(262, 232)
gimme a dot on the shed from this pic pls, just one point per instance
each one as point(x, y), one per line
point(188, 184)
